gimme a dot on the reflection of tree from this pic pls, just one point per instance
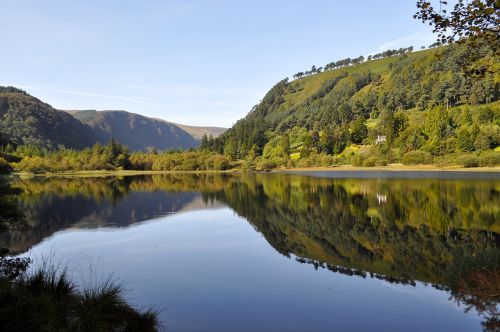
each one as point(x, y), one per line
point(10, 215)
point(400, 231)
point(425, 231)
point(53, 204)
point(475, 283)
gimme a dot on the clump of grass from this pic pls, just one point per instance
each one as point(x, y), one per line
point(47, 300)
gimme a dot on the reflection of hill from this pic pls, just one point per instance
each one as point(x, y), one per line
point(444, 232)
point(53, 205)
point(441, 232)
point(404, 229)
point(416, 232)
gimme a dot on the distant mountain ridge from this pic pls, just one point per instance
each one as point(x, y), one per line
point(136, 131)
point(25, 120)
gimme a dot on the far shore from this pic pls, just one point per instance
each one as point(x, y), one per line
point(395, 168)
point(346, 168)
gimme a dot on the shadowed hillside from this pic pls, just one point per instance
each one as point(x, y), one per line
point(136, 131)
point(25, 120)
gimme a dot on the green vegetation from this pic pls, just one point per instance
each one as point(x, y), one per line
point(443, 232)
point(46, 300)
point(436, 106)
point(415, 108)
point(25, 120)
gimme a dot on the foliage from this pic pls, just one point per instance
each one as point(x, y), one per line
point(417, 158)
point(420, 101)
point(473, 19)
point(25, 120)
point(46, 300)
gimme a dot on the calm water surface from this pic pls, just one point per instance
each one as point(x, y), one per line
point(278, 252)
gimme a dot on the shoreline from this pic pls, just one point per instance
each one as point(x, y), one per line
point(343, 168)
point(393, 168)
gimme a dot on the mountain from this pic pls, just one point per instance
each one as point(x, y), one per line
point(136, 131)
point(26, 120)
point(199, 132)
point(428, 103)
point(143, 133)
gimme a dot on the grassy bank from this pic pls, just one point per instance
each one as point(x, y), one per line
point(47, 300)
point(395, 167)
point(390, 167)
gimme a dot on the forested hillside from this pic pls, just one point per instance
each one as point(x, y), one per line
point(412, 107)
point(25, 120)
point(142, 133)
point(136, 131)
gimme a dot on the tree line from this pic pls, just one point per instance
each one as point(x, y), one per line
point(354, 61)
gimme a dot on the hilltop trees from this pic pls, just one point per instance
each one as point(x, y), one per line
point(355, 61)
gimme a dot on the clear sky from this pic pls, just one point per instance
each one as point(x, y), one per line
point(194, 62)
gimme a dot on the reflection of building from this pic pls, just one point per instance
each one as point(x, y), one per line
point(381, 198)
point(380, 139)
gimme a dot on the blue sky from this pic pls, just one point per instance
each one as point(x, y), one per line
point(191, 62)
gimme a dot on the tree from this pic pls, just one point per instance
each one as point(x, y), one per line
point(285, 143)
point(340, 138)
point(204, 142)
point(464, 141)
point(392, 124)
point(474, 23)
point(327, 140)
point(315, 141)
point(359, 131)
point(306, 146)
point(472, 19)
point(230, 148)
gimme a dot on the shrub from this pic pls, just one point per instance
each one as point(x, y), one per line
point(291, 163)
point(489, 159)
point(417, 158)
point(357, 160)
point(265, 165)
point(326, 160)
point(469, 161)
point(381, 162)
point(369, 162)
point(220, 162)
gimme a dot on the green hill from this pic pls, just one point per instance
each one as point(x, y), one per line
point(141, 133)
point(25, 120)
point(136, 131)
point(423, 103)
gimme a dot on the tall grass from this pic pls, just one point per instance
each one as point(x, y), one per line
point(47, 300)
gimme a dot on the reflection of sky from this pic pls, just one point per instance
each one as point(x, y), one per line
point(211, 271)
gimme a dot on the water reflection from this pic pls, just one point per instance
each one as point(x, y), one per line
point(441, 232)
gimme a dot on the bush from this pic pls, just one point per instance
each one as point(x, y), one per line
point(489, 159)
point(417, 158)
point(369, 162)
point(266, 165)
point(381, 162)
point(469, 161)
point(357, 160)
point(326, 160)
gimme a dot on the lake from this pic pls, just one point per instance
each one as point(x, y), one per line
point(346, 251)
